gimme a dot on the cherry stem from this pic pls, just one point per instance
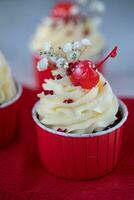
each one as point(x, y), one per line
point(112, 54)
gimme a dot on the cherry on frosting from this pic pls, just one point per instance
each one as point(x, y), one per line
point(62, 10)
point(84, 74)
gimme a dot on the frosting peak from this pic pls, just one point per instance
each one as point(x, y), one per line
point(88, 110)
point(77, 98)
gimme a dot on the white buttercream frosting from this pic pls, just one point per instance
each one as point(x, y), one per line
point(91, 110)
point(57, 32)
point(7, 85)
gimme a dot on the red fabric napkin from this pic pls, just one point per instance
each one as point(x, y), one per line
point(22, 176)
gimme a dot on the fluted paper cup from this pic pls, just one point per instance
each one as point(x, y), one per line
point(9, 114)
point(80, 156)
point(40, 76)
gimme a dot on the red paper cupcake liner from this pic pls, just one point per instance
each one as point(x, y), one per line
point(80, 156)
point(8, 118)
point(40, 76)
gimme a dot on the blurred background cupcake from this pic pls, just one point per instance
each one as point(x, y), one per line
point(26, 15)
point(10, 93)
point(67, 22)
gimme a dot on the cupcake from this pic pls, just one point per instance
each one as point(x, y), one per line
point(67, 23)
point(10, 93)
point(78, 118)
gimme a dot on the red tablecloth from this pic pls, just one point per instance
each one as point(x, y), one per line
point(22, 176)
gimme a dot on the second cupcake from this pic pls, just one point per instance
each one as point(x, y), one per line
point(67, 23)
point(10, 95)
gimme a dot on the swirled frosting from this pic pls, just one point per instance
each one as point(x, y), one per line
point(57, 32)
point(7, 85)
point(91, 110)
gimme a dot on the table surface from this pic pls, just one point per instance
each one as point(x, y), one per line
point(18, 20)
point(23, 177)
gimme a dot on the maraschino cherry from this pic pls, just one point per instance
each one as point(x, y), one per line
point(63, 10)
point(84, 73)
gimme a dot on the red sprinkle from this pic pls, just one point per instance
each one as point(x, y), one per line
point(62, 130)
point(58, 76)
point(69, 72)
point(48, 92)
point(68, 101)
point(104, 84)
point(70, 69)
